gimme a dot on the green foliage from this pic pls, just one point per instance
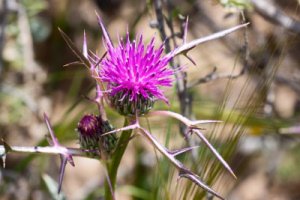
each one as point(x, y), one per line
point(34, 7)
point(240, 4)
point(288, 168)
point(52, 187)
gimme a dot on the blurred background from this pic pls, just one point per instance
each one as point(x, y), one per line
point(249, 79)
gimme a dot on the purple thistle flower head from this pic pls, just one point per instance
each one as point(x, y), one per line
point(134, 73)
point(89, 126)
point(91, 129)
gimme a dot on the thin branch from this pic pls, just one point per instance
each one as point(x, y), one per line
point(184, 120)
point(161, 27)
point(3, 13)
point(193, 129)
point(214, 151)
point(65, 156)
point(183, 150)
point(294, 85)
point(190, 45)
point(184, 97)
point(215, 76)
point(269, 11)
point(74, 49)
point(183, 172)
point(46, 150)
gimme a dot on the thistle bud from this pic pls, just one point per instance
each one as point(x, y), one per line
point(91, 128)
point(88, 126)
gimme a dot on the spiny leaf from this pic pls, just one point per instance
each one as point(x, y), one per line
point(61, 172)
point(196, 179)
point(181, 151)
point(183, 172)
point(214, 151)
point(183, 49)
point(64, 156)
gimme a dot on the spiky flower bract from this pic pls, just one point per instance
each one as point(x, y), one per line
point(134, 74)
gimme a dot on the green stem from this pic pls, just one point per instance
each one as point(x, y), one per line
point(113, 164)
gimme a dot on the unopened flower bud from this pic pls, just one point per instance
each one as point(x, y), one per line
point(88, 126)
point(91, 128)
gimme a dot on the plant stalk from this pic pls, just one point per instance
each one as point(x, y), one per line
point(113, 164)
point(45, 150)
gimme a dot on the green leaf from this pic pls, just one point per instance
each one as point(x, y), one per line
point(241, 4)
point(52, 187)
point(136, 192)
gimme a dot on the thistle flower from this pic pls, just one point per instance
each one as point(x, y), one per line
point(90, 129)
point(88, 126)
point(134, 74)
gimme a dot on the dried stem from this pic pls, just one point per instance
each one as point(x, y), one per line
point(180, 76)
point(184, 120)
point(46, 150)
point(192, 128)
point(214, 76)
point(268, 10)
point(3, 13)
point(183, 172)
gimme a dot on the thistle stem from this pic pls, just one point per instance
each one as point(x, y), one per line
point(45, 150)
point(113, 164)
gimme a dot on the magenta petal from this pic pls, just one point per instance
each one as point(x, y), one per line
point(134, 69)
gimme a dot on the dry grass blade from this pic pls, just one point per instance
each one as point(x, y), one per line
point(74, 49)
